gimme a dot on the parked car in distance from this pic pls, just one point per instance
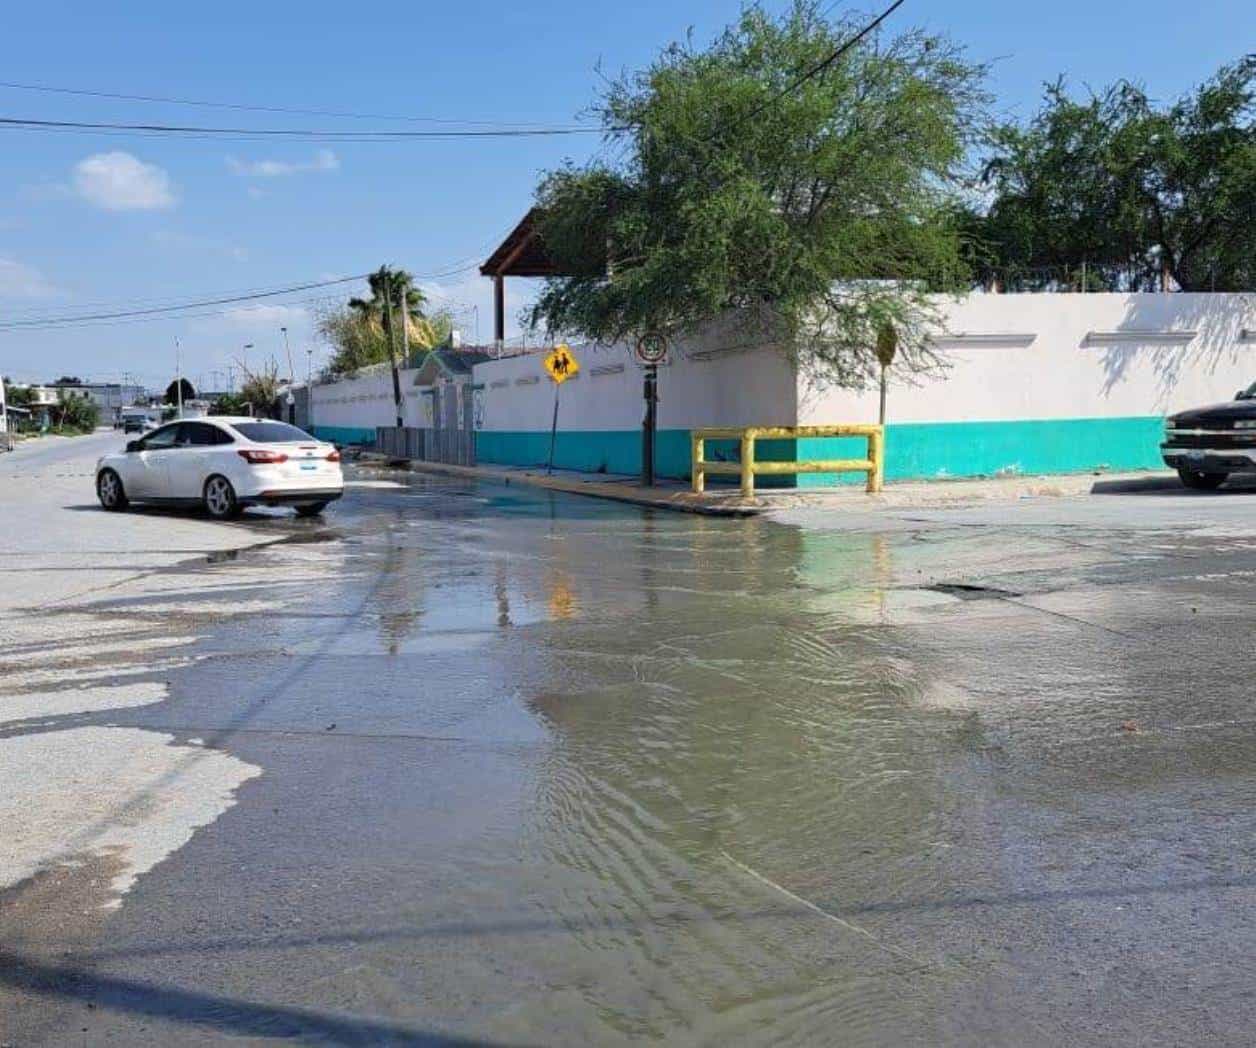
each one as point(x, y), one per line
point(1207, 445)
point(223, 464)
point(137, 420)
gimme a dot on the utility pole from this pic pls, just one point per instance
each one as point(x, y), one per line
point(292, 378)
point(392, 351)
point(309, 367)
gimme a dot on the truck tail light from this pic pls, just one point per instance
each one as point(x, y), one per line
point(334, 456)
point(258, 456)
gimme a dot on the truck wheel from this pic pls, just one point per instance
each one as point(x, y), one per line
point(1202, 481)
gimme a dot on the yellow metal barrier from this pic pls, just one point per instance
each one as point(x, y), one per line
point(748, 467)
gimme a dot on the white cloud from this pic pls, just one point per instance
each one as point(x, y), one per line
point(21, 281)
point(323, 160)
point(255, 193)
point(118, 181)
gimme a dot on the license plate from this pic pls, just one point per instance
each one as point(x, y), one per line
point(311, 466)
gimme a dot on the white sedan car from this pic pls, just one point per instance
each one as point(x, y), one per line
point(223, 463)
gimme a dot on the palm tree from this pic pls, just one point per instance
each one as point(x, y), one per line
point(422, 331)
point(391, 290)
point(390, 287)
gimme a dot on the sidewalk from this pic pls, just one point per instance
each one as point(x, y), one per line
point(727, 501)
point(667, 494)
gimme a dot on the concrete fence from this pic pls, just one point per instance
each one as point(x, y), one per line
point(1034, 383)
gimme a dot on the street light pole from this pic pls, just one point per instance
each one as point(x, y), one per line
point(288, 350)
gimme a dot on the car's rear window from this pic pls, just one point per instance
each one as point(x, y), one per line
point(270, 432)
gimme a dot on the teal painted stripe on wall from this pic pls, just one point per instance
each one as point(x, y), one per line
point(619, 451)
point(591, 451)
point(913, 449)
point(344, 434)
point(972, 449)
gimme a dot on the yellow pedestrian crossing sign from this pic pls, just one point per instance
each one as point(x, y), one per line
point(560, 364)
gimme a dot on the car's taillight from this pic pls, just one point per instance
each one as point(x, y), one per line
point(334, 456)
point(257, 456)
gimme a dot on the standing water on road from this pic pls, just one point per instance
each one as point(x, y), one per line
point(538, 769)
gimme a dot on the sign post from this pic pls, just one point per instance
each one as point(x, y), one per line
point(651, 351)
point(560, 364)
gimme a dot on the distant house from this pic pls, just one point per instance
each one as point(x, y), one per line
point(109, 397)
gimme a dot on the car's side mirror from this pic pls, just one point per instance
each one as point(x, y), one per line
point(133, 445)
point(1240, 394)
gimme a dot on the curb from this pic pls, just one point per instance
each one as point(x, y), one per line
point(676, 501)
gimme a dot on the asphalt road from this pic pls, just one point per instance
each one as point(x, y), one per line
point(475, 764)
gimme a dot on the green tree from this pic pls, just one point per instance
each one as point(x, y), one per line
point(1137, 195)
point(389, 287)
point(229, 404)
point(260, 388)
point(76, 415)
point(17, 396)
point(816, 208)
point(359, 331)
point(173, 391)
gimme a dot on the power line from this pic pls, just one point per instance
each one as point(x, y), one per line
point(132, 305)
point(123, 314)
point(70, 323)
point(31, 124)
point(180, 311)
point(239, 106)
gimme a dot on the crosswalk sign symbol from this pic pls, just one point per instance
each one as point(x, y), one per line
point(560, 364)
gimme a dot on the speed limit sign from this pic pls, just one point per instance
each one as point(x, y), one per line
point(651, 349)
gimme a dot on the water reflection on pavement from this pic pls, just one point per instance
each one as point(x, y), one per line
point(539, 769)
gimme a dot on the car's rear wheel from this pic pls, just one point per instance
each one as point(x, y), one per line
point(220, 498)
point(311, 509)
point(110, 491)
point(1202, 481)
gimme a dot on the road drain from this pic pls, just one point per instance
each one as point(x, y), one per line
point(970, 591)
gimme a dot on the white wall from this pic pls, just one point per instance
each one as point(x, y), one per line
point(1051, 366)
point(703, 384)
point(366, 400)
point(1065, 370)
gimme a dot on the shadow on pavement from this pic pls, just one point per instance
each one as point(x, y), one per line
point(1169, 484)
point(225, 1014)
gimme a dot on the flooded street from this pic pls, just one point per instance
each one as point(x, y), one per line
point(476, 764)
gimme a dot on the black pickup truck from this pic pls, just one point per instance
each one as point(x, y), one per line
point(1206, 445)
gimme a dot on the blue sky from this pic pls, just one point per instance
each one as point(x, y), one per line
point(91, 221)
